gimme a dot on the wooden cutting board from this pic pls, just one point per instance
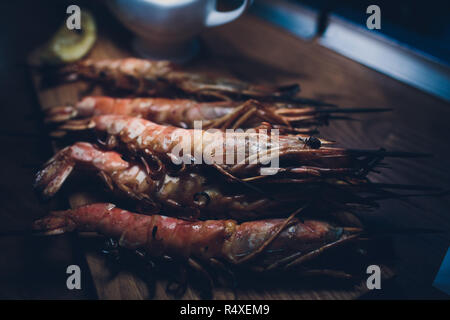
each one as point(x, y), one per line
point(250, 49)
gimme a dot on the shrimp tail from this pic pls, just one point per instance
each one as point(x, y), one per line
point(56, 170)
point(60, 114)
point(50, 179)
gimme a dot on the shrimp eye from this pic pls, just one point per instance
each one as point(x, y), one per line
point(110, 245)
point(201, 199)
point(313, 143)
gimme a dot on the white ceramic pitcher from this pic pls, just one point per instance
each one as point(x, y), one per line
point(167, 29)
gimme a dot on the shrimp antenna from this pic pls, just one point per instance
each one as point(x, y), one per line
point(403, 186)
point(244, 183)
point(355, 110)
point(393, 154)
point(308, 101)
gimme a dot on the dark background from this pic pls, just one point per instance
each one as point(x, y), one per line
point(33, 268)
point(30, 267)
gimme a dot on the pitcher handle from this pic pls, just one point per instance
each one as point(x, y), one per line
point(217, 18)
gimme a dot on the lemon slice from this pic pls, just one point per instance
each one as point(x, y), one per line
point(66, 45)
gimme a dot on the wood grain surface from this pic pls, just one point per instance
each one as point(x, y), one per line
point(254, 50)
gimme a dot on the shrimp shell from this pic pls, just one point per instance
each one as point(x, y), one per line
point(263, 242)
point(163, 78)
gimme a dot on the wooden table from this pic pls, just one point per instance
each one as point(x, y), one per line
point(256, 51)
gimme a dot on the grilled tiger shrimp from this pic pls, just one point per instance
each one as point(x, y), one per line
point(184, 112)
point(260, 245)
point(146, 77)
point(199, 193)
point(251, 152)
point(185, 195)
